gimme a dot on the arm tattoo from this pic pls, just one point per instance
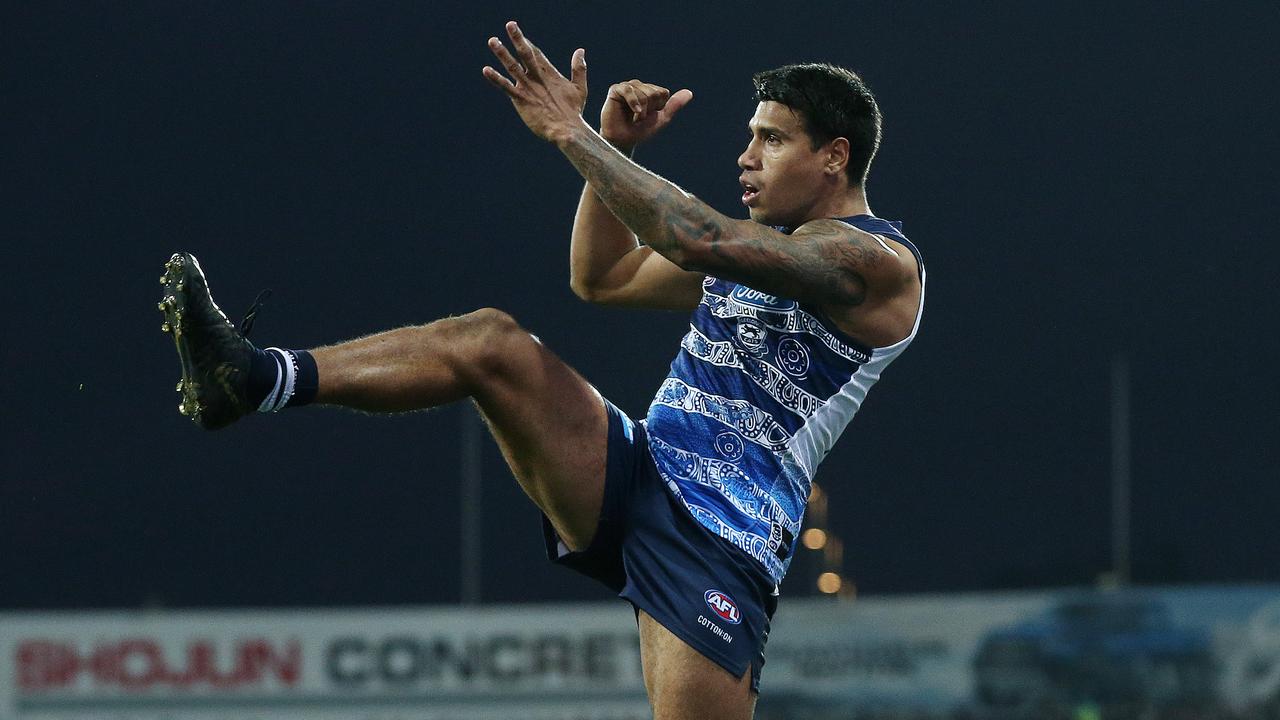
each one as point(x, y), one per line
point(644, 202)
point(823, 262)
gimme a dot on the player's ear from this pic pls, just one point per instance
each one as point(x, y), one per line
point(837, 156)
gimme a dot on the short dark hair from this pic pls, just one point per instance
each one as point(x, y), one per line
point(833, 102)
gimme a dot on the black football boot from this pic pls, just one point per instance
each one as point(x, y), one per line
point(215, 355)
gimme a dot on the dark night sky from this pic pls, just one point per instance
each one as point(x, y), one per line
point(1084, 180)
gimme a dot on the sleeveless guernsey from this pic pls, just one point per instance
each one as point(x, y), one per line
point(758, 394)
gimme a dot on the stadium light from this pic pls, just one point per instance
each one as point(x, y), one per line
point(814, 538)
point(829, 583)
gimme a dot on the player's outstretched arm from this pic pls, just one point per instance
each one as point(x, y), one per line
point(824, 262)
point(607, 264)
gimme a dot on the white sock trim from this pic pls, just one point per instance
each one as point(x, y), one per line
point(268, 402)
point(286, 378)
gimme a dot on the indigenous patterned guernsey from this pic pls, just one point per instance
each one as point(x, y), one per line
point(760, 391)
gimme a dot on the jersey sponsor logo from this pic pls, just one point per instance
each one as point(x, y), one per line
point(793, 320)
point(724, 606)
point(763, 300)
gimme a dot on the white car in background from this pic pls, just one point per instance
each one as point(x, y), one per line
point(1251, 663)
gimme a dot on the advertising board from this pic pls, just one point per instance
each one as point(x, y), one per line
point(1152, 653)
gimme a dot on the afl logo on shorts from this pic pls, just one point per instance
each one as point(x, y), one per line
point(724, 606)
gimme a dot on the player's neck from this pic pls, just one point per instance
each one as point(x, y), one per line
point(846, 204)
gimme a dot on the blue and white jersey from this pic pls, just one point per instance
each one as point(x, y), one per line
point(757, 396)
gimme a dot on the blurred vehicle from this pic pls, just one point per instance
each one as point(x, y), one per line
point(1251, 666)
point(1098, 650)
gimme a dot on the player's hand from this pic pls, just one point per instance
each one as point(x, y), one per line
point(548, 102)
point(635, 111)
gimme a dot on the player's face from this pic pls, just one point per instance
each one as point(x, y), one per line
point(782, 175)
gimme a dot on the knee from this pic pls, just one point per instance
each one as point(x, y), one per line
point(489, 342)
point(490, 323)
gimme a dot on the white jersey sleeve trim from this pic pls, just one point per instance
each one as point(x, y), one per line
point(818, 435)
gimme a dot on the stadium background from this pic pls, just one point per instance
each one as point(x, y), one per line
point(1087, 182)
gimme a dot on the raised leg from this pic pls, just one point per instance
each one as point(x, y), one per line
point(549, 422)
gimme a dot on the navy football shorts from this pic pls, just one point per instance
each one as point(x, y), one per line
point(650, 550)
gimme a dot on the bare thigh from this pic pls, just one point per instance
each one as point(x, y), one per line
point(684, 684)
point(552, 428)
point(549, 422)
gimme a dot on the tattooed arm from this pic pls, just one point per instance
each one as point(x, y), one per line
point(606, 264)
point(609, 267)
point(825, 262)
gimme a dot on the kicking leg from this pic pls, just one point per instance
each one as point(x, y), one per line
point(549, 422)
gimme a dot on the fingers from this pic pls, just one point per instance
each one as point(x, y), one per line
point(677, 101)
point(529, 61)
point(513, 66)
point(549, 103)
point(533, 59)
point(498, 80)
point(645, 98)
point(631, 95)
point(578, 69)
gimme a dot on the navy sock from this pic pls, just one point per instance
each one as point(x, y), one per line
point(308, 382)
point(281, 378)
point(264, 370)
